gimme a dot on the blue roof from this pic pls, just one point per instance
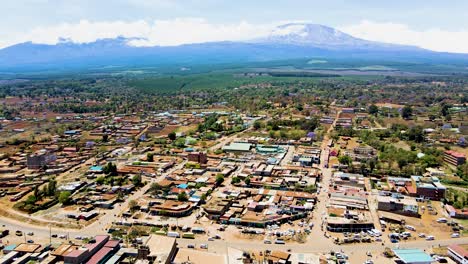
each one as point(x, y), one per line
point(96, 168)
point(10, 247)
point(413, 255)
point(182, 186)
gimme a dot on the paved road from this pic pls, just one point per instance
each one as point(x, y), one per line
point(314, 246)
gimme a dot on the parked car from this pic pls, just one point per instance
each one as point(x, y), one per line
point(19, 233)
point(204, 246)
point(430, 238)
point(455, 235)
point(279, 242)
point(30, 234)
point(190, 246)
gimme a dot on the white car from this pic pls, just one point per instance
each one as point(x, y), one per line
point(430, 238)
point(455, 235)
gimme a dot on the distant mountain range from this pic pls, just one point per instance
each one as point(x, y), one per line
point(290, 41)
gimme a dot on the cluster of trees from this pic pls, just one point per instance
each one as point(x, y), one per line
point(210, 123)
point(457, 198)
point(49, 192)
point(110, 169)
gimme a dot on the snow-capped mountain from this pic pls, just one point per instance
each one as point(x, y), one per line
point(319, 36)
point(290, 41)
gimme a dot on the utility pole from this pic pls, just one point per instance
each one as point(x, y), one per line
point(50, 234)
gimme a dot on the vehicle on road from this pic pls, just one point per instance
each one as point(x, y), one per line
point(279, 242)
point(455, 235)
point(428, 238)
point(19, 233)
point(30, 234)
point(204, 246)
point(30, 241)
point(190, 246)
point(266, 241)
point(442, 220)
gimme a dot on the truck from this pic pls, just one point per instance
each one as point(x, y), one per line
point(173, 234)
point(188, 235)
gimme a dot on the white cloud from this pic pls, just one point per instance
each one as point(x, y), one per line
point(196, 30)
point(158, 32)
point(432, 39)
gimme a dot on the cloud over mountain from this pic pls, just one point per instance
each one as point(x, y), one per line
point(178, 31)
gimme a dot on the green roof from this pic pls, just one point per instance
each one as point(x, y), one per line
point(238, 147)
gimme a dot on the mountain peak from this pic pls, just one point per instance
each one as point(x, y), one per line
point(313, 35)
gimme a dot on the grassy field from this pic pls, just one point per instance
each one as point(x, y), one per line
point(206, 82)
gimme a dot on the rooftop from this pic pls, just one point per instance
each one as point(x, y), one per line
point(160, 246)
point(412, 255)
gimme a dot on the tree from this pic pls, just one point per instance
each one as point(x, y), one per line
point(155, 187)
point(203, 197)
point(150, 157)
point(64, 197)
point(105, 138)
point(136, 180)
point(235, 180)
point(416, 134)
point(247, 180)
point(373, 109)
point(219, 179)
point(31, 199)
point(51, 187)
point(371, 164)
point(110, 169)
point(132, 204)
point(172, 136)
point(406, 112)
point(182, 197)
point(345, 160)
point(100, 180)
point(37, 192)
point(258, 124)
point(445, 110)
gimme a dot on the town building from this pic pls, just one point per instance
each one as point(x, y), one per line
point(459, 253)
point(40, 159)
point(454, 158)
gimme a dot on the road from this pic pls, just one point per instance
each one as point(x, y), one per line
point(314, 246)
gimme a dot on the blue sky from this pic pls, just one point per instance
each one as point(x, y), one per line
point(432, 24)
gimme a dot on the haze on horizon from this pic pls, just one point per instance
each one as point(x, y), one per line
point(431, 24)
